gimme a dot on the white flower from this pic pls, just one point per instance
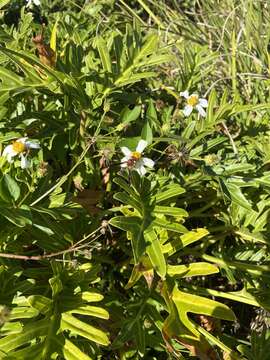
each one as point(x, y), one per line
point(21, 148)
point(134, 159)
point(30, 2)
point(193, 101)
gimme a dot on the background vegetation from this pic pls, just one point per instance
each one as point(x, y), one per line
point(96, 261)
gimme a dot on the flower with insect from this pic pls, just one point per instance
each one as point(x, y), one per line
point(31, 2)
point(193, 101)
point(135, 160)
point(21, 148)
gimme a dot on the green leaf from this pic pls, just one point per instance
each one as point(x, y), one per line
point(134, 78)
point(126, 199)
point(23, 312)
point(87, 331)
point(135, 226)
point(9, 189)
point(3, 3)
point(170, 210)
point(151, 114)
point(168, 192)
point(196, 269)
point(186, 302)
point(72, 352)
point(168, 225)
point(104, 54)
point(56, 285)
point(147, 134)
point(140, 338)
point(154, 251)
point(184, 240)
point(91, 311)
point(40, 302)
point(236, 195)
point(18, 216)
point(89, 296)
point(127, 116)
point(30, 331)
point(149, 46)
point(53, 37)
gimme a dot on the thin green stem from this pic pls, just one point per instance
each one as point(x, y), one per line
point(64, 178)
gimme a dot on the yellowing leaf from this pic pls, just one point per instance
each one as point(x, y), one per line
point(54, 37)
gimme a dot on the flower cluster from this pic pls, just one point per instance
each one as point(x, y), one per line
point(20, 148)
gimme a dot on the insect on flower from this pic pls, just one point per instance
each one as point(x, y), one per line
point(135, 160)
point(193, 101)
point(20, 147)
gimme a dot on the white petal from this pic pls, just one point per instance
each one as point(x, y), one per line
point(184, 94)
point(148, 162)
point(141, 146)
point(125, 159)
point(9, 152)
point(203, 103)
point(22, 140)
point(32, 145)
point(141, 170)
point(125, 151)
point(188, 110)
point(201, 110)
point(36, 2)
point(24, 162)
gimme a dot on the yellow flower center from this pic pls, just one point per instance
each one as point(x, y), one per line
point(136, 155)
point(193, 100)
point(19, 147)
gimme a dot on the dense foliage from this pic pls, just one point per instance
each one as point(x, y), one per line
point(133, 224)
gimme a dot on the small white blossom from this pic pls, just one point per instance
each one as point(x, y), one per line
point(31, 2)
point(20, 148)
point(193, 101)
point(134, 159)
